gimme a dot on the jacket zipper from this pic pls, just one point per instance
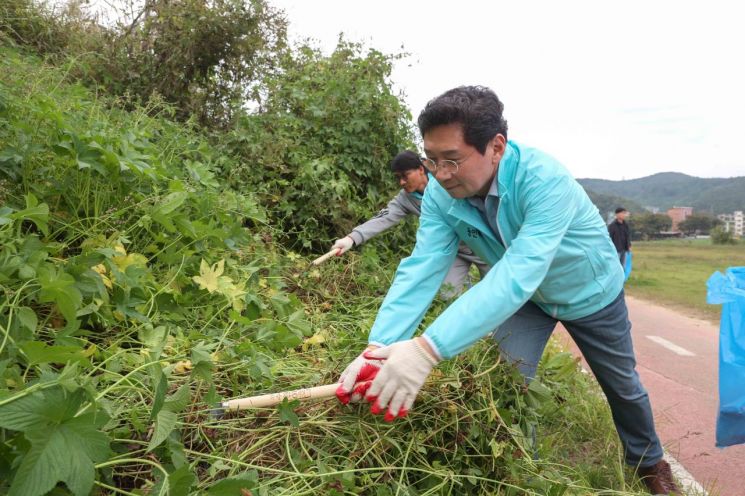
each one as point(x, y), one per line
point(555, 310)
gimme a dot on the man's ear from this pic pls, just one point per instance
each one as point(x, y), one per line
point(498, 145)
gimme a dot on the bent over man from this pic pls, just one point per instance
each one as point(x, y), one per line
point(552, 261)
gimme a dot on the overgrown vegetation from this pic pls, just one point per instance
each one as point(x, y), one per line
point(206, 58)
point(143, 279)
point(318, 152)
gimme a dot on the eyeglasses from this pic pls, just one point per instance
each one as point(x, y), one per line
point(450, 166)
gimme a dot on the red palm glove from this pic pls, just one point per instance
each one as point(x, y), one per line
point(357, 377)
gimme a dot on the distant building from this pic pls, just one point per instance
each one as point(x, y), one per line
point(654, 210)
point(678, 215)
point(734, 222)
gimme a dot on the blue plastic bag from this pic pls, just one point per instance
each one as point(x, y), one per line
point(729, 289)
point(627, 266)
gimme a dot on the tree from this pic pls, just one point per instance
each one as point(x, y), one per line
point(645, 226)
point(698, 223)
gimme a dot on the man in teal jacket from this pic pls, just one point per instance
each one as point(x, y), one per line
point(522, 212)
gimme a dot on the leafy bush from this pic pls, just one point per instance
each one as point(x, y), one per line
point(204, 57)
point(720, 236)
point(317, 152)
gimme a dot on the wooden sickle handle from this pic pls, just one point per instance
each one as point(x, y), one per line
point(323, 258)
point(273, 399)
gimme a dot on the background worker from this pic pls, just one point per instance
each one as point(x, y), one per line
point(408, 170)
point(620, 234)
point(552, 261)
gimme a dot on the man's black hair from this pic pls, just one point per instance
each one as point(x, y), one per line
point(405, 161)
point(476, 108)
point(621, 209)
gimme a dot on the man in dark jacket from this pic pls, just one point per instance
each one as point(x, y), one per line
point(620, 234)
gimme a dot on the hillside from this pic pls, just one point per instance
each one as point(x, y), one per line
point(667, 189)
point(607, 204)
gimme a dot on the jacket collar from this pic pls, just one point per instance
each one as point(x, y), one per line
point(507, 170)
point(462, 210)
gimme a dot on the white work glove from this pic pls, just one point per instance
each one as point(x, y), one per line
point(357, 377)
point(343, 245)
point(396, 385)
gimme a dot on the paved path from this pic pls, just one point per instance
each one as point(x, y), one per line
point(677, 359)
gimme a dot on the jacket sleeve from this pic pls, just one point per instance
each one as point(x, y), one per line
point(549, 206)
point(388, 217)
point(418, 278)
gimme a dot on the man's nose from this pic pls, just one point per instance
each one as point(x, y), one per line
point(442, 173)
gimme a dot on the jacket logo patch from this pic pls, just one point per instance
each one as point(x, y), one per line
point(473, 233)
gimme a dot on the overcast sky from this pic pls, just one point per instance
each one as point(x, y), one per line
point(613, 89)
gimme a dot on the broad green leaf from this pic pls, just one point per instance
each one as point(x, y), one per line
point(233, 485)
point(28, 412)
point(201, 362)
point(47, 462)
point(176, 450)
point(36, 213)
point(59, 287)
point(179, 400)
point(61, 452)
point(26, 272)
point(38, 352)
point(38, 409)
point(165, 422)
point(181, 480)
point(299, 323)
point(154, 339)
point(6, 216)
point(27, 318)
point(170, 203)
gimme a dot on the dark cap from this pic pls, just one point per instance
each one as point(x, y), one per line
point(621, 209)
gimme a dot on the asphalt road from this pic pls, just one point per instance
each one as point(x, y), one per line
point(677, 359)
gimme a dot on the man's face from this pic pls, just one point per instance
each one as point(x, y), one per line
point(622, 215)
point(475, 171)
point(412, 180)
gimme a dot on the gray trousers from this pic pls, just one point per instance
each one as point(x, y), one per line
point(457, 279)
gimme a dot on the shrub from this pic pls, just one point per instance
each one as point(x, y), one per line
point(317, 151)
point(720, 236)
point(204, 57)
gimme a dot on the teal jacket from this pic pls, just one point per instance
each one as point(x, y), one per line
point(556, 253)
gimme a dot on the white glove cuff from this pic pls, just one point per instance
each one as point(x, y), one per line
point(433, 346)
point(425, 354)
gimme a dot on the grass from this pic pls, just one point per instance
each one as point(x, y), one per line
point(674, 273)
